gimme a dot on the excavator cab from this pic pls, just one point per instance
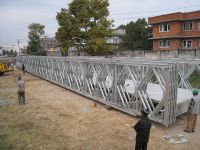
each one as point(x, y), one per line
point(5, 67)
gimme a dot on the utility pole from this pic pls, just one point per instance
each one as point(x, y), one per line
point(18, 46)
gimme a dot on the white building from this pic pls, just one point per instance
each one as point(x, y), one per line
point(8, 49)
point(114, 40)
point(1, 50)
point(116, 36)
point(15, 47)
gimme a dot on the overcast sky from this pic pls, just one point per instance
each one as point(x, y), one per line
point(16, 15)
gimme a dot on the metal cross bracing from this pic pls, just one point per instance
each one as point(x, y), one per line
point(185, 71)
point(125, 84)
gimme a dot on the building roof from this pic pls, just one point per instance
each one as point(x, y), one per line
point(177, 16)
point(118, 32)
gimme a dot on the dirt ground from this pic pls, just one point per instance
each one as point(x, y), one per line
point(57, 119)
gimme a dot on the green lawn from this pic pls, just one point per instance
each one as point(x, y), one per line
point(195, 80)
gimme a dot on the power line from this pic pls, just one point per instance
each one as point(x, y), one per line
point(132, 17)
point(156, 10)
point(127, 18)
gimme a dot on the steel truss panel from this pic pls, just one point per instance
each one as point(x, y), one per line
point(108, 81)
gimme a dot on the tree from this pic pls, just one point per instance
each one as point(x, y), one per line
point(4, 52)
point(15, 53)
point(122, 26)
point(84, 25)
point(136, 37)
point(36, 30)
point(11, 52)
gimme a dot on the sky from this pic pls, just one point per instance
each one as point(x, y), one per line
point(16, 15)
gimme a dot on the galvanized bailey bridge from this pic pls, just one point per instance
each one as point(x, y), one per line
point(127, 84)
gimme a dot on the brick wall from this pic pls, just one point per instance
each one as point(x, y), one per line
point(196, 43)
point(177, 30)
point(176, 44)
point(174, 16)
point(164, 18)
point(176, 33)
point(191, 15)
point(195, 31)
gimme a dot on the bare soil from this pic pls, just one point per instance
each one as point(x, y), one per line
point(57, 119)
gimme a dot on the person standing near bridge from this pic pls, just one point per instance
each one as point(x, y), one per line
point(21, 90)
point(193, 111)
point(23, 68)
point(142, 128)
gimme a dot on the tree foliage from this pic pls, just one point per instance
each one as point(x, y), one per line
point(122, 26)
point(36, 30)
point(9, 53)
point(84, 25)
point(136, 37)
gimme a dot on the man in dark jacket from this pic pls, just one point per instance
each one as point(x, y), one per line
point(142, 127)
point(23, 68)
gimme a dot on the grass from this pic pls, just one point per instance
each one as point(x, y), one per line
point(27, 135)
point(24, 126)
point(5, 144)
point(195, 79)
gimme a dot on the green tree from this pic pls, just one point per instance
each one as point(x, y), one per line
point(84, 25)
point(122, 26)
point(136, 37)
point(36, 30)
point(4, 52)
point(11, 52)
point(15, 53)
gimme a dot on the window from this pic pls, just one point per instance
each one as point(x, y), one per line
point(164, 43)
point(187, 43)
point(115, 41)
point(187, 26)
point(164, 28)
point(110, 40)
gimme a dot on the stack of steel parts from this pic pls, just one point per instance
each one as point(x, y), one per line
point(7, 59)
point(122, 83)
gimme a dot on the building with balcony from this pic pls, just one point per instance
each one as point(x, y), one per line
point(113, 40)
point(116, 37)
point(176, 31)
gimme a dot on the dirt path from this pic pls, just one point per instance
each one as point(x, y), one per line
point(57, 119)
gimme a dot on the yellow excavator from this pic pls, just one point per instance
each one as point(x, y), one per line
point(6, 66)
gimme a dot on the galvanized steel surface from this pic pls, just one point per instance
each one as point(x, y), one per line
point(107, 81)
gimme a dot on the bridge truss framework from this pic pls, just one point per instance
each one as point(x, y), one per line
point(105, 80)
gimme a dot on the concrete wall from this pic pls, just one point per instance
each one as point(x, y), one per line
point(185, 54)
